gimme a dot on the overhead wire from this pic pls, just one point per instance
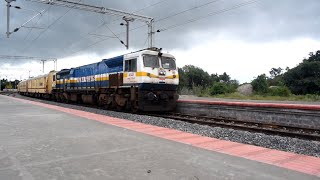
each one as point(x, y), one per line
point(181, 12)
point(187, 22)
point(48, 27)
point(115, 34)
point(104, 23)
point(117, 19)
point(151, 5)
point(186, 10)
point(208, 15)
point(35, 24)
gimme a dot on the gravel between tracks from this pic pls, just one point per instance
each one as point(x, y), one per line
point(289, 144)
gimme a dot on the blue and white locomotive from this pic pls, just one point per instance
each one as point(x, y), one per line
point(145, 80)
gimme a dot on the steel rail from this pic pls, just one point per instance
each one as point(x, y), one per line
point(302, 133)
point(286, 131)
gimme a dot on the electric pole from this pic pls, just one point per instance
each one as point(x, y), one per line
point(8, 16)
point(127, 16)
point(127, 20)
point(43, 61)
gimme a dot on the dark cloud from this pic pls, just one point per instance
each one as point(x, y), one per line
point(267, 20)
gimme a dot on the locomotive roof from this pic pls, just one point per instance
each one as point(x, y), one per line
point(117, 60)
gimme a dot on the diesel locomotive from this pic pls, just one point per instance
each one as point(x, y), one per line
point(144, 80)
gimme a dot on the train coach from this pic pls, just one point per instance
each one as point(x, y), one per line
point(145, 80)
point(41, 86)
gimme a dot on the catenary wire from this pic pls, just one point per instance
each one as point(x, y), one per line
point(210, 14)
point(36, 23)
point(174, 26)
point(167, 17)
point(104, 23)
point(42, 32)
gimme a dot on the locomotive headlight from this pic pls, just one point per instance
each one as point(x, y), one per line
point(162, 72)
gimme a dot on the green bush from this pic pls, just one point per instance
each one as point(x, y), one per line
point(305, 78)
point(313, 97)
point(232, 87)
point(185, 91)
point(279, 91)
point(218, 88)
point(196, 90)
point(260, 84)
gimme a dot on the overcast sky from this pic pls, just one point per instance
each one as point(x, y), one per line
point(244, 42)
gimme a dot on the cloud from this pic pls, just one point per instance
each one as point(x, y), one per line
point(266, 22)
point(244, 61)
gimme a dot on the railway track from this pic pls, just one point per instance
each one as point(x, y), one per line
point(302, 133)
point(309, 134)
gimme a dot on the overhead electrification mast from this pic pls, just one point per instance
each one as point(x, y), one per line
point(8, 16)
point(43, 60)
point(127, 16)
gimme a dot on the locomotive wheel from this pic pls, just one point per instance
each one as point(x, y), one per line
point(107, 106)
point(120, 108)
point(134, 107)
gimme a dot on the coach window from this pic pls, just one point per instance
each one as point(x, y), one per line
point(151, 61)
point(130, 65)
point(168, 63)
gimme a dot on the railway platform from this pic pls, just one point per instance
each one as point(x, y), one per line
point(41, 141)
point(298, 105)
point(285, 114)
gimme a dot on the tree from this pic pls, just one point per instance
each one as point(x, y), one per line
point(194, 76)
point(218, 88)
point(224, 77)
point(260, 84)
point(3, 83)
point(183, 79)
point(305, 78)
point(9, 86)
point(274, 72)
point(214, 78)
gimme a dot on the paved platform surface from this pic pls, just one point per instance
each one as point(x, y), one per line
point(37, 142)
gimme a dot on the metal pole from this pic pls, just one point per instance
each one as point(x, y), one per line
point(8, 19)
point(127, 45)
point(43, 66)
point(127, 20)
point(151, 33)
point(55, 64)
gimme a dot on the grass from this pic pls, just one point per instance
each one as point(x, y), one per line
point(205, 92)
point(308, 97)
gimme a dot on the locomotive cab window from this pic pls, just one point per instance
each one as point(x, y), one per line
point(168, 63)
point(54, 78)
point(130, 65)
point(151, 61)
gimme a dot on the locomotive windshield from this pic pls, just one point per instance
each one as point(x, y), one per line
point(168, 63)
point(151, 61)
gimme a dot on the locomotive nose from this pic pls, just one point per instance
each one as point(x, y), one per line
point(151, 96)
point(164, 96)
point(162, 72)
